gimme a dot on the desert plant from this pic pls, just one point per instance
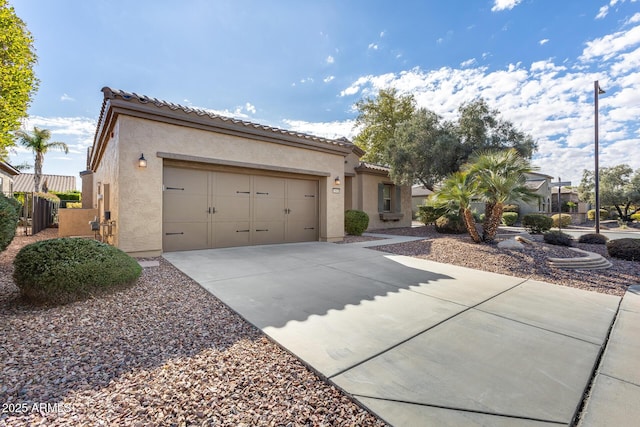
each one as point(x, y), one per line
point(428, 214)
point(558, 238)
point(509, 218)
point(70, 269)
point(562, 220)
point(450, 223)
point(635, 217)
point(9, 216)
point(537, 223)
point(591, 214)
point(511, 208)
point(593, 239)
point(626, 248)
point(355, 222)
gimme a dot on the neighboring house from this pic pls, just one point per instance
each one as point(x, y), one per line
point(568, 194)
point(419, 196)
point(540, 184)
point(58, 183)
point(8, 176)
point(177, 178)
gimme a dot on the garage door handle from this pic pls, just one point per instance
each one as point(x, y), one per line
point(174, 188)
point(243, 192)
point(266, 229)
point(242, 231)
point(309, 228)
point(287, 211)
point(211, 210)
point(262, 193)
point(171, 234)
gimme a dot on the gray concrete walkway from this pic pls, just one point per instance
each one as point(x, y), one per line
point(424, 343)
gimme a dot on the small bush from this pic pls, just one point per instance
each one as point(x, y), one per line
point(9, 216)
point(429, 214)
point(511, 208)
point(537, 223)
point(635, 216)
point(627, 248)
point(74, 205)
point(593, 239)
point(558, 238)
point(450, 224)
point(564, 219)
point(509, 218)
point(69, 269)
point(355, 222)
point(591, 214)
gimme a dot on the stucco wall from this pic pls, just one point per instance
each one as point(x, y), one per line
point(6, 179)
point(368, 201)
point(75, 222)
point(107, 173)
point(136, 200)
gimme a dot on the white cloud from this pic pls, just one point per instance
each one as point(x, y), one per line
point(328, 79)
point(336, 129)
point(610, 45)
point(543, 42)
point(373, 46)
point(499, 5)
point(634, 19)
point(603, 12)
point(250, 108)
point(330, 59)
point(468, 63)
point(382, 34)
point(66, 97)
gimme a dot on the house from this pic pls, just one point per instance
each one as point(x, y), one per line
point(541, 185)
point(8, 176)
point(166, 177)
point(58, 183)
point(419, 196)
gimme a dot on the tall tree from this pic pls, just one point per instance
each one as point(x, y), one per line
point(18, 81)
point(481, 128)
point(619, 188)
point(38, 142)
point(456, 193)
point(379, 117)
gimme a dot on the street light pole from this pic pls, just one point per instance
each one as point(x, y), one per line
point(597, 91)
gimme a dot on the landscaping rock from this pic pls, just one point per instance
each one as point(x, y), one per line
point(510, 244)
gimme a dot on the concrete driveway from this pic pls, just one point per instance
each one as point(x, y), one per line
point(418, 342)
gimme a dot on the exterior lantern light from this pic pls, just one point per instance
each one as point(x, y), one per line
point(142, 162)
point(336, 181)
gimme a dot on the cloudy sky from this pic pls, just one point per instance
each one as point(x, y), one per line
point(302, 65)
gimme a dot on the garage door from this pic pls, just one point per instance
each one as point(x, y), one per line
point(203, 209)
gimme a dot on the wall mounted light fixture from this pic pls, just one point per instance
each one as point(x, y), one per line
point(336, 181)
point(142, 162)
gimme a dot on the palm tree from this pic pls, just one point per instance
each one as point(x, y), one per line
point(37, 141)
point(500, 178)
point(456, 194)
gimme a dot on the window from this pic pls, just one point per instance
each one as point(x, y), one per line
point(386, 198)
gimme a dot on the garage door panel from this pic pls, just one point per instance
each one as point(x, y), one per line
point(301, 189)
point(231, 185)
point(185, 236)
point(299, 209)
point(266, 232)
point(181, 207)
point(232, 233)
point(268, 186)
point(232, 209)
point(301, 231)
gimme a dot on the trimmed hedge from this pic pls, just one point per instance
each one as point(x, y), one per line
point(509, 218)
point(626, 248)
point(558, 238)
point(450, 224)
point(355, 222)
point(69, 269)
point(591, 214)
point(564, 219)
point(537, 223)
point(9, 216)
point(593, 239)
point(429, 214)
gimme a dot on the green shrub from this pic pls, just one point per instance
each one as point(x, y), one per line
point(626, 248)
point(593, 239)
point(355, 222)
point(511, 208)
point(558, 238)
point(537, 223)
point(565, 220)
point(591, 214)
point(9, 216)
point(70, 269)
point(428, 214)
point(73, 205)
point(635, 216)
point(450, 224)
point(509, 218)
point(69, 195)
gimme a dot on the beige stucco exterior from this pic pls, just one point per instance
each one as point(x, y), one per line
point(75, 222)
point(7, 175)
point(171, 135)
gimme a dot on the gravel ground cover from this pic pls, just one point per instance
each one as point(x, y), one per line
point(162, 353)
point(531, 262)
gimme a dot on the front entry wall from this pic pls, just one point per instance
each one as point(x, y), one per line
point(212, 209)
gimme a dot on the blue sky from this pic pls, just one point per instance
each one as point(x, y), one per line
point(302, 65)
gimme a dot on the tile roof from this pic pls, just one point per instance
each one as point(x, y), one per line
point(365, 166)
point(59, 183)
point(110, 93)
point(8, 169)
